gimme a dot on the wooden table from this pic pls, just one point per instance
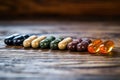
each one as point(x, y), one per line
point(46, 64)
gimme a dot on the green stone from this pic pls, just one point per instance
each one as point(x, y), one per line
point(46, 42)
point(54, 44)
point(50, 38)
point(44, 45)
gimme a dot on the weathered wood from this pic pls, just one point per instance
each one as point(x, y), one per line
point(29, 8)
point(46, 64)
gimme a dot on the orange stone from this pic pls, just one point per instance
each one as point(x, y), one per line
point(94, 47)
point(106, 47)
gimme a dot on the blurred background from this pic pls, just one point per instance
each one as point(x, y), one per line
point(60, 9)
point(76, 18)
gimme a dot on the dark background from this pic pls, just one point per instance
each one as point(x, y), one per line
point(60, 9)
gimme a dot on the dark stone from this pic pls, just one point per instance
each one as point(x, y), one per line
point(82, 46)
point(19, 39)
point(72, 46)
point(9, 40)
point(44, 44)
point(78, 40)
point(50, 38)
point(88, 40)
point(54, 44)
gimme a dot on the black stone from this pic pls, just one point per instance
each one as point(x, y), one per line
point(19, 39)
point(9, 40)
point(26, 36)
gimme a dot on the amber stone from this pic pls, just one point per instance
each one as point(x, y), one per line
point(106, 47)
point(94, 47)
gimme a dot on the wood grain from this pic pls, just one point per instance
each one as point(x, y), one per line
point(46, 64)
point(61, 8)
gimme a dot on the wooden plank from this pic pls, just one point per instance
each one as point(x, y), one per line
point(59, 7)
point(28, 64)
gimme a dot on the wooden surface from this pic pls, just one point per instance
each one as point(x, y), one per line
point(12, 9)
point(39, 64)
